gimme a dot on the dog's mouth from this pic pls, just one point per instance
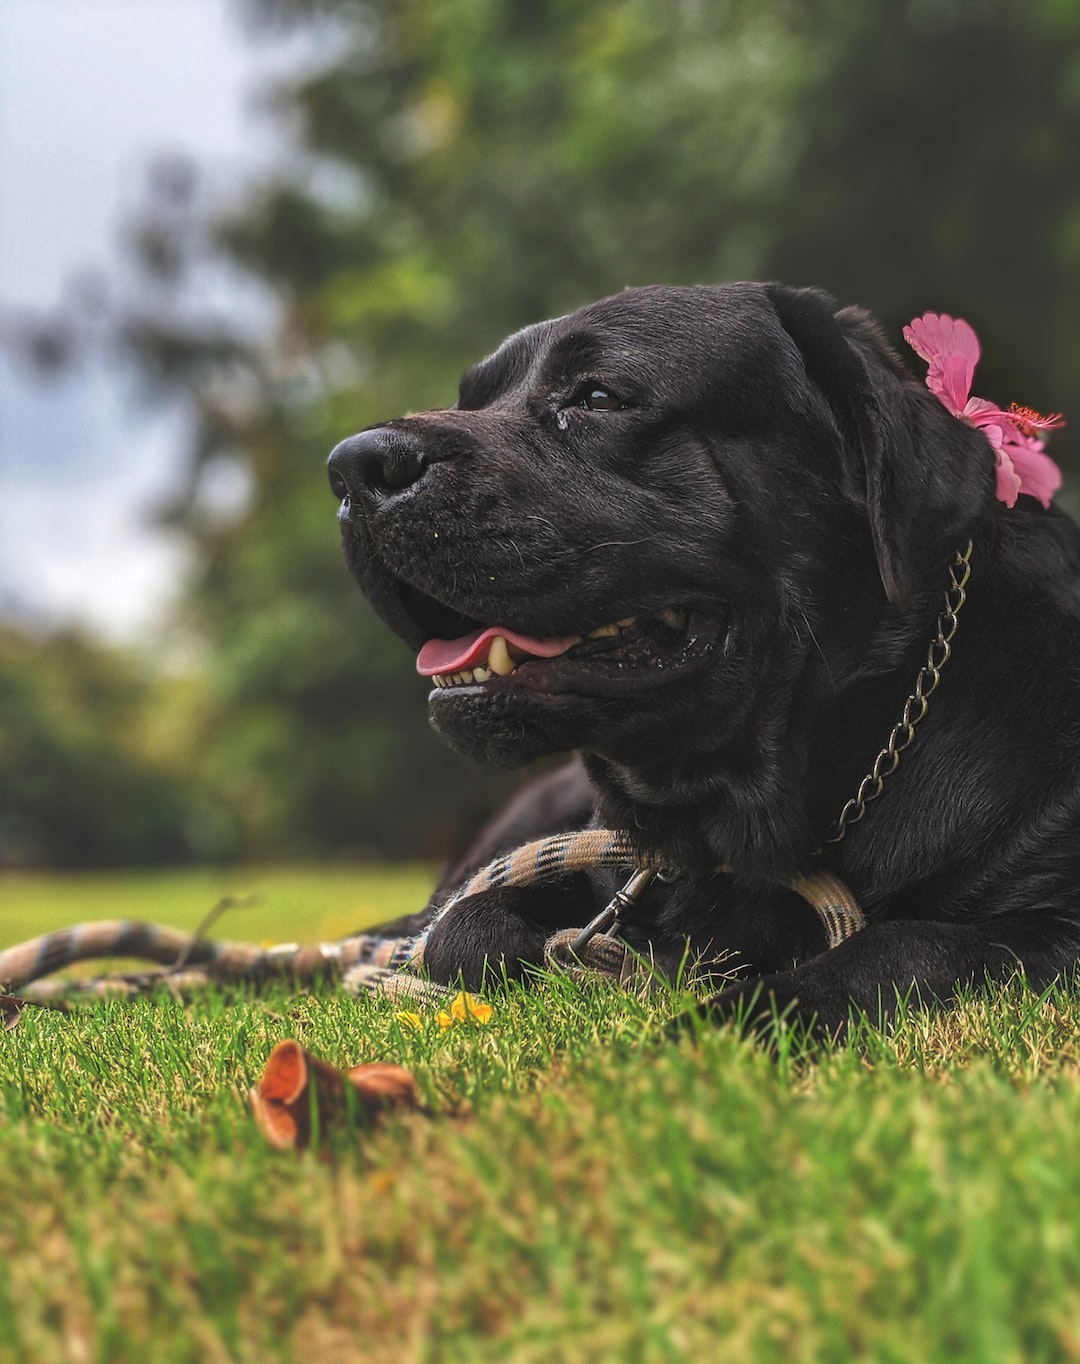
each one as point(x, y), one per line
point(618, 655)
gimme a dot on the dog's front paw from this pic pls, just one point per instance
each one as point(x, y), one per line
point(484, 933)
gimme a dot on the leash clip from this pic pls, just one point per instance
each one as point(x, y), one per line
point(616, 909)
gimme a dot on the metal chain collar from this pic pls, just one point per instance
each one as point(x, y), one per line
point(917, 704)
point(609, 920)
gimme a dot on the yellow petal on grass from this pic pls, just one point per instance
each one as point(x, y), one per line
point(466, 1008)
point(408, 1019)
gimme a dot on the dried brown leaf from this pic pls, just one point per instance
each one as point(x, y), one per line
point(298, 1090)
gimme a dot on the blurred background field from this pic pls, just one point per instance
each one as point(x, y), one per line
point(272, 903)
point(319, 214)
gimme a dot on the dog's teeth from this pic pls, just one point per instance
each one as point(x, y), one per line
point(603, 632)
point(672, 618)
point(498, 659)
point(626, 622)
point(461, 679)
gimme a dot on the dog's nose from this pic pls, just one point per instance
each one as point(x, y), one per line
point(382, 460)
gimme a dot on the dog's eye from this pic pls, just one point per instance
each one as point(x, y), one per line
point(596, 399)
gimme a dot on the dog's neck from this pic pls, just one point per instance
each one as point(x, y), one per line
point(739, 821)
point(767, 810)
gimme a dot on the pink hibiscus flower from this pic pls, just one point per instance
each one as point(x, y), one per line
point(951, 348)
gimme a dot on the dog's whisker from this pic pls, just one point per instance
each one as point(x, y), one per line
point(619, 544)
point(821, 651)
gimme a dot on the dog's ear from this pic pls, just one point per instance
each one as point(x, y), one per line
point(926, 478)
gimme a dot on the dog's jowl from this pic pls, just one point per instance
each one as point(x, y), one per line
point(800, 614)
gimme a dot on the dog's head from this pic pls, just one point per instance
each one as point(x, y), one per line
point(639, 521)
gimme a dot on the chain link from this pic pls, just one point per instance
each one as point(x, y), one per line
point(917, 704)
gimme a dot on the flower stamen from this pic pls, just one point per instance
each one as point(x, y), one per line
point(1029, 421)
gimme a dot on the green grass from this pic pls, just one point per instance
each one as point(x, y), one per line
point(577, 1190)
point(290, 904)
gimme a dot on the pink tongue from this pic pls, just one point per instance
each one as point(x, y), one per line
point(456, 655)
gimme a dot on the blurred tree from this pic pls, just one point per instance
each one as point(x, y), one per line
point(457, 169)
point(83, 784)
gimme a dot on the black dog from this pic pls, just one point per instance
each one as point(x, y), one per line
point(714, 529)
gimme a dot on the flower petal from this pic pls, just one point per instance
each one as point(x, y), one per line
point(467, 1008)
point(1008, 480)
point(951, 348)
point(986, 415)
point(936, 334)
point(1036, 472)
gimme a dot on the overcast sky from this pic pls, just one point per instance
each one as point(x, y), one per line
point(90, 92)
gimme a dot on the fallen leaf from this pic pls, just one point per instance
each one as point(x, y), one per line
point(298, 1091)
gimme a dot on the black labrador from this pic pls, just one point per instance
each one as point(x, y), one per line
point(707, 537)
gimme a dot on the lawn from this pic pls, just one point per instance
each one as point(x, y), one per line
point(280, 904)
point(576, 1188)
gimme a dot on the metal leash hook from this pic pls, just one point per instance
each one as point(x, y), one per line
point(617, 907)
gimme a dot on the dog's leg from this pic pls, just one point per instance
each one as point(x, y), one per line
point(925, 961)
point(504, 930)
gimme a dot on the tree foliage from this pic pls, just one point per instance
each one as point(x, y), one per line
point(456, 170)
point(87, 782)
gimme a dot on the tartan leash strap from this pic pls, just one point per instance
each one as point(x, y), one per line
point(367, 962)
